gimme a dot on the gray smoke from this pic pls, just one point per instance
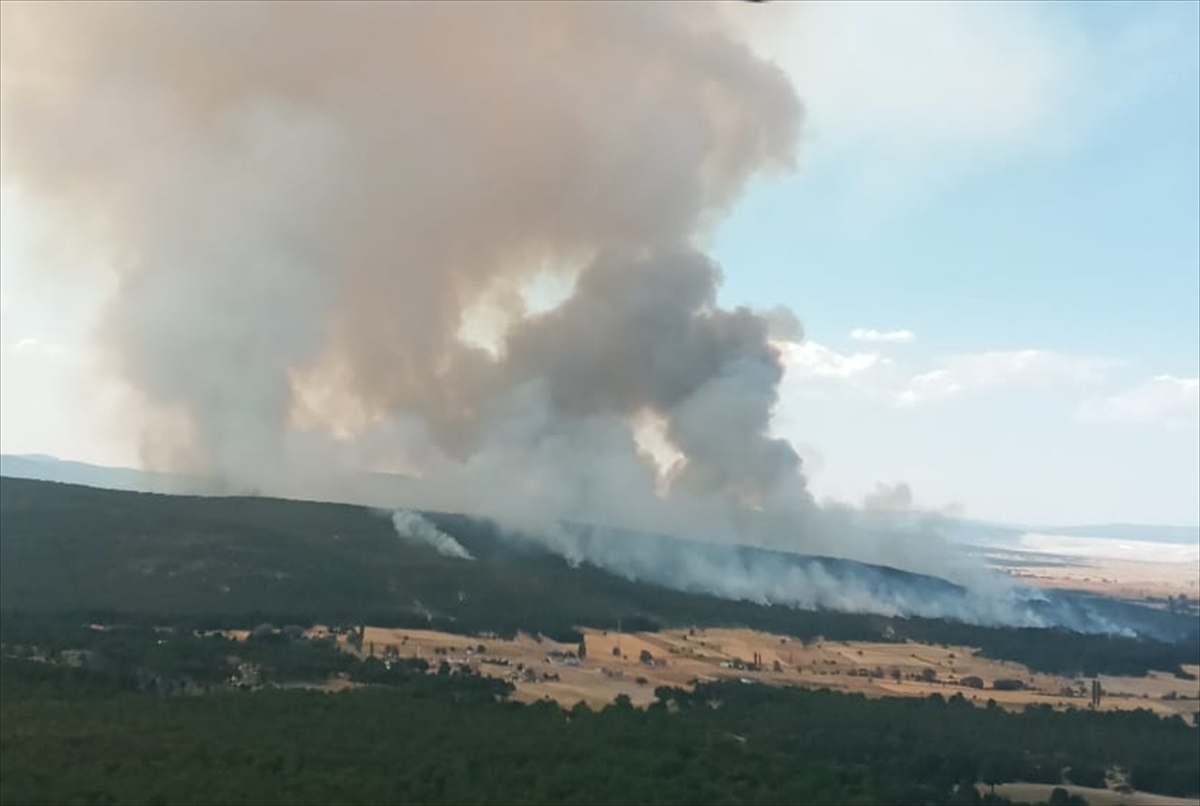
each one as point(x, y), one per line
point(307, 205)
point(889, 498)
point(412, 526)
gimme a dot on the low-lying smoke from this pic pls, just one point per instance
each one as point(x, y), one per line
point(772, 578)
point(306, 205)
point(411, 526)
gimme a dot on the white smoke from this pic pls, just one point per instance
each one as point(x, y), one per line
point(411, 526)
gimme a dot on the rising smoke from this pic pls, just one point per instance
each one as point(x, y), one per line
point(306, 205)
point(413, 526)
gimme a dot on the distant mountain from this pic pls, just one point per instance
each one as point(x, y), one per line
point(40, 467)
point(368, 489)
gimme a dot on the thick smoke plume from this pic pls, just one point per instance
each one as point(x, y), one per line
point(413, 526)
point(306, 204)
point(324, 218)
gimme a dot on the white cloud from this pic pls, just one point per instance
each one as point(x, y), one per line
point(883, 336)
point(988, 370)
point(811, 367)
point(1163, 400)
point(810, 360)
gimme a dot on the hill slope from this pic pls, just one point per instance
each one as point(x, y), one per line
point(234, 560)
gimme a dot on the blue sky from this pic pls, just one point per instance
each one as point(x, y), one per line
point(1002, 198)
point(1039, 192)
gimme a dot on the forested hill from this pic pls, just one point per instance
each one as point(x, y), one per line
point(231, 561)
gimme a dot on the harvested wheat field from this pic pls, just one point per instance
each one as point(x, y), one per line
point(634, 664)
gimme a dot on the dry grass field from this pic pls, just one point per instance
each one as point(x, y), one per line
point(1040, 793)
point(1124, 579)
point(614, 664)
point(1126, 569)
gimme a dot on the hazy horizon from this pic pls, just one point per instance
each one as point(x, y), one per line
point(1030, 529)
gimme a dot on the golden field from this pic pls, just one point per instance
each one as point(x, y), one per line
point(613, 665)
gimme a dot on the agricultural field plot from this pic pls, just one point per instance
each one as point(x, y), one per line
point(634, 664)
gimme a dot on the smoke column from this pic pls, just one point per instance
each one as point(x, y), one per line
point(412, 526)
point(307, 205)
point(306, 202)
